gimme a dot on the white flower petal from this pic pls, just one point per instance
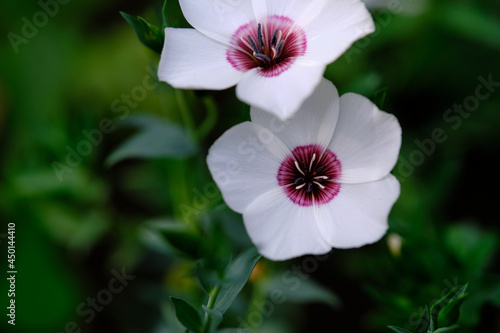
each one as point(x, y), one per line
point(298, 10)
point(283, 94)
point(244, 163)
point(217, 19)
point(190, 60)
point(358, 214)
point(335, 29)
point(282, 230)
point(366, 140)
point(313, 123)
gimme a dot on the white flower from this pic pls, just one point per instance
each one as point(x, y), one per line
point(319, 180)
point(274, 50)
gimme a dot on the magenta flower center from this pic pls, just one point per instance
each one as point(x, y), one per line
point(310, 175)
point(270, 46)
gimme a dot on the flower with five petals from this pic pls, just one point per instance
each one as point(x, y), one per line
point(274, 51)
point(319, 180)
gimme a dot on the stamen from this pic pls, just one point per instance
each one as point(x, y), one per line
point(321, 186)
point(274, 38)
point(259, 37)
point(300, 186)
point(279, 47)
point(298, 168)
point(254, 47)
point(262, 57)
point(246, 43)
point(312, 160)
point(321, 177)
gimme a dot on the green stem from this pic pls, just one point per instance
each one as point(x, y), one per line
point(210, 120)
point(184, 110)
point(210, 305)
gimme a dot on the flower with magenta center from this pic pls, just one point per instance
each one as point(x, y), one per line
point(319, 180)
point(274, 51)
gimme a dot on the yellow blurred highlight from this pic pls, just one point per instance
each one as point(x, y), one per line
point(394, 243)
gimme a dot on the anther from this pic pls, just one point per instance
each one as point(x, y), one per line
point(259, 37)
point(312, 161)
point(298, 168)
point(321, 186)
point(274, 39)
point(252, 43)
point(262, 57)
point(300, 186)
point(279, 48)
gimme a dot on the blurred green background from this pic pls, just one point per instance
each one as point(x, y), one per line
point(79, 70)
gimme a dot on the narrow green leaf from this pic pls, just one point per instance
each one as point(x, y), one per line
point(425, 322)
point(449, 329)
point(450, 313)
point(177, 234)
point(157, 139)
point(236, 278)
point(379, 97)
point(306, 291)
point(149, 34)
point(186, 314)
point(398, 329)
point(166, 21)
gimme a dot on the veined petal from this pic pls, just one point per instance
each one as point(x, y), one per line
point(313, 123)
point(244, 163)
point(282, 230)
point(366, 140)
point(282, 94)
point(358, 214)
point(335, 29)
point(190, 60)
point(298, 10)
point(217, 19)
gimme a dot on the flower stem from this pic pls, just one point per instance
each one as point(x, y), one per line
point(184, 110)
point(210, 304)
point(210, 120)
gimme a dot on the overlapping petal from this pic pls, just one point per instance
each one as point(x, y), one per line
point(358, 214)
point(282, 230)
point(366, 140)
point(336, 27)
point(183, 65)
point(283, 94)
point(244, 163)
point(312, 124)
point(217, 19)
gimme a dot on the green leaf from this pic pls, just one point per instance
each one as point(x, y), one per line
point(236, 278)
point(398, 329)
point(450, 312)
point(448, 301)
point(166, 21)
point(471, 22)
point(473, 247)
point(157, 138)
point(186, 314)
point(379, 97)
point(425, 322)
point(449, 329)
point(306, 291)
point(177, 234)
point(149, 34)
